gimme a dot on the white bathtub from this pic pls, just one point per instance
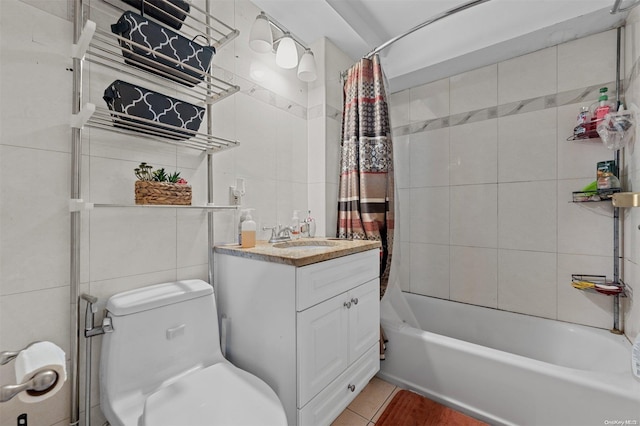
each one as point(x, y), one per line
point(512, 369)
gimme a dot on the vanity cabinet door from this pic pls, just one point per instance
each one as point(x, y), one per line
point(322, 346)
point(364, 318)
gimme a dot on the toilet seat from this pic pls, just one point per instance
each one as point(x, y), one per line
point(220, 394)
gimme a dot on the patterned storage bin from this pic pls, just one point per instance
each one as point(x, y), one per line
point(162, 110)
point(169, 12)
point(161, 43)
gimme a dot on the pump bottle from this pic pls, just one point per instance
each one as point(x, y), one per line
point(243, 217)
point(248, 233)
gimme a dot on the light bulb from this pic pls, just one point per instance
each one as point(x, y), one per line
point(260, 38)
point(307, 67)
point(287, 53)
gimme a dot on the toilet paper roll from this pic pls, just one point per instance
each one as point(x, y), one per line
point(39, 357)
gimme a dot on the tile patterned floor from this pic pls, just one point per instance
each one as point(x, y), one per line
point(369, 405)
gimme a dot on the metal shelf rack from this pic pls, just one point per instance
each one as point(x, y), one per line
point(98, 46)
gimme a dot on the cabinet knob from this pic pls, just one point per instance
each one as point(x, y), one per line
point(354, 300)
point(352, 388)
point(347, 305)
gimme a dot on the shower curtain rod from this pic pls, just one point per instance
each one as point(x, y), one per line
point(430, 21)
point(616, 7)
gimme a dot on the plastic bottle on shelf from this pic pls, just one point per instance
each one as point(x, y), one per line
point(295, 225)
point(584, 116)
point(608, 181)
point(248, 233)
point(604, 106)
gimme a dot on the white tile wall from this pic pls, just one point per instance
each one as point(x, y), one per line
point(474, 275)
point(528, 76)
point(429, 215)
point(473, 156)
point(477, 89)
point(402, 160)
point(527, 282)
point(474, 218)
point(429, 101)
point(576, 70)
point(531, 137)
point(527, 213)
point(429, 158)
point(513, 234)
point(429, 269)
point(399, 108)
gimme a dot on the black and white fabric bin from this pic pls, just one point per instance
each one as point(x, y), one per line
point(170, 12)
point(170, 116)
point(151, 44)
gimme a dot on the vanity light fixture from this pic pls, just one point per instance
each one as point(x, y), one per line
point(260, 37)
point(286, 47)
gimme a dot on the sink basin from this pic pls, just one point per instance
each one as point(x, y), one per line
point(305, 245)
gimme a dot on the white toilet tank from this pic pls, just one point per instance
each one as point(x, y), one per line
point(160, 333)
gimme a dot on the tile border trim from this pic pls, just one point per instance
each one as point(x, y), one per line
point(513, 108)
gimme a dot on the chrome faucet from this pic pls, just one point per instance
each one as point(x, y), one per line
point(279, 233)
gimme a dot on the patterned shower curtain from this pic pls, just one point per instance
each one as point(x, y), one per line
point(366, 198)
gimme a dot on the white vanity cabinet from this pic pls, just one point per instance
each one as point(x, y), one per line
point(311, 332)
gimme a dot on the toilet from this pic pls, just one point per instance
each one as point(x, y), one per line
point(162, 364)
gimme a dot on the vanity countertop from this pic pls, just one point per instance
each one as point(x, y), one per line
point(323, 249)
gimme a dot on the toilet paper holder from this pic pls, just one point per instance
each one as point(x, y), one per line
point(41, 382)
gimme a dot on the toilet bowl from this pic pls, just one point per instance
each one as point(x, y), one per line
point(162, 364)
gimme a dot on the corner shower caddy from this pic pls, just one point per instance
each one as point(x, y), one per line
point(101, 48)
point(599, 279)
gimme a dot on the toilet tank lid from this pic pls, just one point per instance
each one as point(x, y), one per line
point(155, 296)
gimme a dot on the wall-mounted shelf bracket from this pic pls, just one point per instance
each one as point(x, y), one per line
point(80, 119)
point(226, 39)
point(210, 100)
point(78, 204)
point(79, 49)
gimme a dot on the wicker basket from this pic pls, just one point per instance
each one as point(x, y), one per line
point(149, 192)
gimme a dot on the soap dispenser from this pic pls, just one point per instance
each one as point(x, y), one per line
point(295, 225)
point(243, 217)
point(248, 235)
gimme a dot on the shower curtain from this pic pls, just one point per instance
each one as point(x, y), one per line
point(366, 194)
point(365, 201)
